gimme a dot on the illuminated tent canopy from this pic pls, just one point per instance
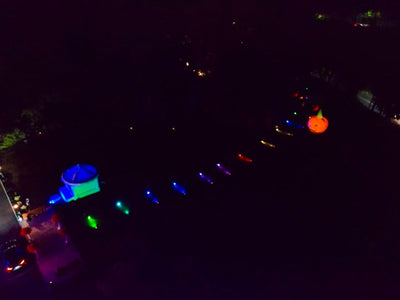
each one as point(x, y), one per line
point(80, 181)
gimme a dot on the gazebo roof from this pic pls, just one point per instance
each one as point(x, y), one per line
point(78, 174)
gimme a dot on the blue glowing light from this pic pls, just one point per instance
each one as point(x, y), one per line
point(294, 124)
point(179, 188)
point(151, 197)
point(54, 199)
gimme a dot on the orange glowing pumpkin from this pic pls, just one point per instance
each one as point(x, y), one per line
point(317, 124)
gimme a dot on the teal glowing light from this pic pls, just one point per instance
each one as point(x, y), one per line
point(92, 222)
point(122, 207)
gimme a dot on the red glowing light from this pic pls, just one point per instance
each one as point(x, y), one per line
point(25, 231)
point(355, 25)
point(296, 94)
point(22, 262)
point(244, 158)
point(31, 248)
point(9, 269)
point(316, 108)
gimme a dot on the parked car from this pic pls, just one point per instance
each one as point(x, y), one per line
point(14, 256)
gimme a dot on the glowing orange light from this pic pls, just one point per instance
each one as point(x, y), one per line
point(267, 144)
point(317, 124)
point(282, 132)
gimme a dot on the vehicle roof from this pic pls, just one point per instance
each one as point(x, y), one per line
point(8, 244)
point(13, 254)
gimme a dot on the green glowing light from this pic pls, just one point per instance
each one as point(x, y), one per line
point(126, 211)
point(319, 114)
point(295, 113)
point(321, 16)
point(92, 222)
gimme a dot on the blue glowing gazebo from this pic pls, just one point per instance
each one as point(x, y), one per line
point(79, 181)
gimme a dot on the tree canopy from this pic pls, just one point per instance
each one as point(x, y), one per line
point(9, 139)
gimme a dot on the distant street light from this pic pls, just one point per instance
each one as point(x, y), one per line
point(201, 73)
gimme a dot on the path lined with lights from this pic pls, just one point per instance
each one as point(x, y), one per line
point(317, 124)
point(181, 190)
point(179, 187)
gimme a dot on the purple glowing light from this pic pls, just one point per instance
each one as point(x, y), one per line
point(225, 171)
point(204, 177)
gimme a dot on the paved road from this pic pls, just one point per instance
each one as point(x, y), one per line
point(8, 221)
point(28, 283)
